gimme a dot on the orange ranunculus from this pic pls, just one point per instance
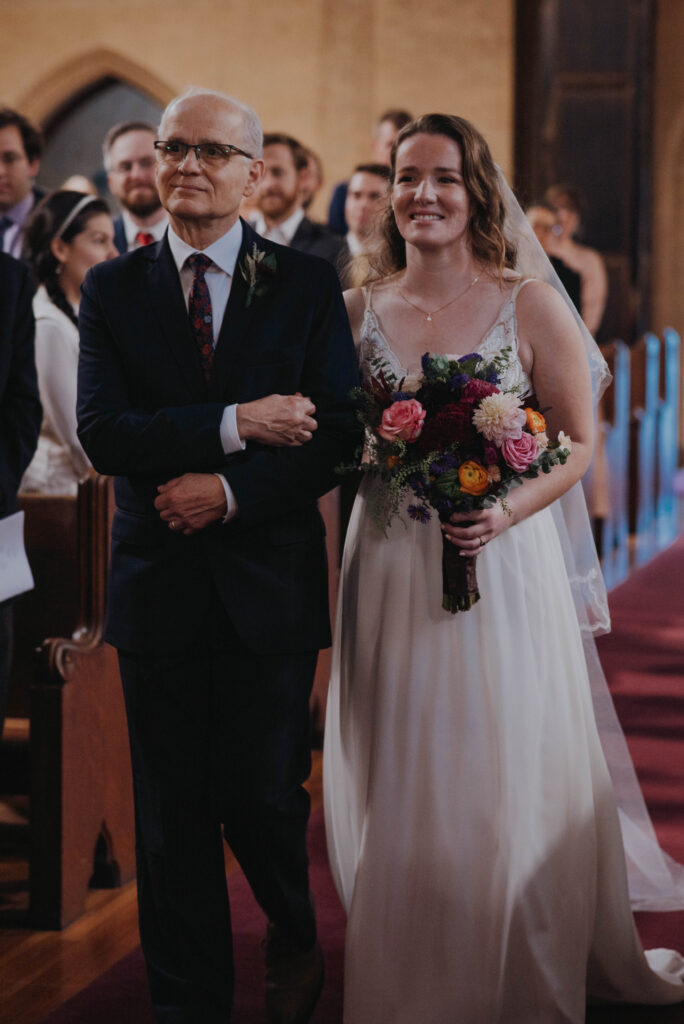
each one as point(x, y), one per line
point(393, 460)
point(535, 421)
point(473, 477)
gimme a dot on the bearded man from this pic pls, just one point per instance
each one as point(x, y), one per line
point(129, 159)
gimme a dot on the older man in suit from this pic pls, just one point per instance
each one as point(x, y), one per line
point(20, 415)
point(213, 381)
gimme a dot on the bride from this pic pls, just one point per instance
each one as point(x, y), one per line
point(472, 827)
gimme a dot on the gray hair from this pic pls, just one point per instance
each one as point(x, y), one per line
point(253, 132)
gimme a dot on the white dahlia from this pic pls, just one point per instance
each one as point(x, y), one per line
point(499, 417)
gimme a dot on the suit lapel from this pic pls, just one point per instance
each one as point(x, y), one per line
point(172, 316)
point(235, 329)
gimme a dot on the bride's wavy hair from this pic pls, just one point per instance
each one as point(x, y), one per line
point(488, 243)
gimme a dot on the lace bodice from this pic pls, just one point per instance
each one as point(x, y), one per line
point(375, 351)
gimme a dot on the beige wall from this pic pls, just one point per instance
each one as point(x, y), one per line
point(320, 69)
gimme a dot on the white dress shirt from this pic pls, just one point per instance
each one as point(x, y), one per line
point(18, 214)
point(131, 229)
point(354, 244)
point(219, 277)
point(282, 233)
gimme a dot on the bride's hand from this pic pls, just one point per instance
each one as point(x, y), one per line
point(482, 527)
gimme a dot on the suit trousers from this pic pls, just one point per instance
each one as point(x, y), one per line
point(220, 737)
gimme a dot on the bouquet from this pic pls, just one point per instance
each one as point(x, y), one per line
point(453, 440)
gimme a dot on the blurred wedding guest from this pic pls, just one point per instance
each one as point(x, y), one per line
point(20, 415)
point(20, 148)
point(281, 215)
point(542, 217)
point(311, 178)
point(568, 203)
point(79, 183)
point(367, 197)
point(387, 127)
point(129, 159)
point(68, 234)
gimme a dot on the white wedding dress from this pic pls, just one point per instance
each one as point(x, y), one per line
point(472, 830)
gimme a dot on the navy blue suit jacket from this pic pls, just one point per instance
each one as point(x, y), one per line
point(20, 410)
point(146, 415)
point(120, 241)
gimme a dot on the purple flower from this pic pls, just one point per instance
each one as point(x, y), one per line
point(419, 513)
point(459, 380)
point(471, 355)
point(401, 396)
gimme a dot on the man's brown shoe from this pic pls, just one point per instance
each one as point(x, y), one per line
point(294, 978)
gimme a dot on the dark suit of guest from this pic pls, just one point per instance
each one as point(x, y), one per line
point(20, 414)
point(336, 219)
point(318, 240)
point(120, 240)
point(218, 632)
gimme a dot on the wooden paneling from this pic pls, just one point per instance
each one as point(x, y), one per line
point(583, 114)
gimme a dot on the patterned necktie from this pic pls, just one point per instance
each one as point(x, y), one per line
point(199, 309)
point(5, 223)
point(144, 238)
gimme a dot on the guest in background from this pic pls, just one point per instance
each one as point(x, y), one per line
point(20, 149)
point(20, 415)
point(128, 151)
point(68, 233)
point(569, 205)
point(367, 197)
point(387, 128)
point(542, 217)
point(279, 199)
point(311, 178)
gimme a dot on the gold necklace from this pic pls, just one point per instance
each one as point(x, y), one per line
point(429, 316)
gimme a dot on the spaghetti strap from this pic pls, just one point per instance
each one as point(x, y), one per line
point(520, 284)
point(367, 290)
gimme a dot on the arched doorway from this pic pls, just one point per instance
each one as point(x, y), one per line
point(74, 134)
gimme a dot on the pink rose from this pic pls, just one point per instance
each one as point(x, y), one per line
point(402, 421)
point(520, 452)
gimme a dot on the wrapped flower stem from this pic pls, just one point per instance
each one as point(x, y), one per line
point(459, 579)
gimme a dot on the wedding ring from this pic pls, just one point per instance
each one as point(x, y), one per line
point(172, 524)
point(482, 542)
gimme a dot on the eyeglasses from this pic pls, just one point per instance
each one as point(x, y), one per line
point(211, 154)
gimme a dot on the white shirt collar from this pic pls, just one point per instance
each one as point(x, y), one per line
point(223, 252)
point(131, 229)
point(354, 244)
point(283, 232)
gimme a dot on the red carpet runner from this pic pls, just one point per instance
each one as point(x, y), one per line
point(644, 661)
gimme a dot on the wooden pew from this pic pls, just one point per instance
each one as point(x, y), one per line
point(666, 511)
point(613, 422)
point(81, 802)
point(645, 401)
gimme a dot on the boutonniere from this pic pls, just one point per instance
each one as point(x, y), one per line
point(257, 270)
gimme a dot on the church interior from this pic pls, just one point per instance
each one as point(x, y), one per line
point(565, 91)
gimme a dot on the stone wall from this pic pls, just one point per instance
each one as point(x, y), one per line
point(320, 69)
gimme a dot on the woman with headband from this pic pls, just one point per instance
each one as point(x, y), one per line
point(68, 233)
